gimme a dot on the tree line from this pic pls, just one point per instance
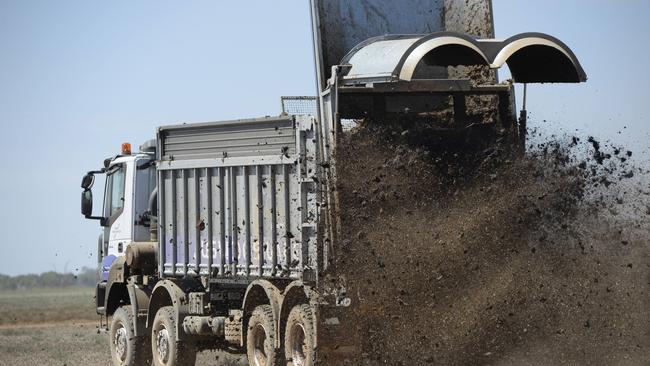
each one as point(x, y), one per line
point(85, 277)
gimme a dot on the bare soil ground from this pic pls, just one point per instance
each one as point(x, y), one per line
point(73, 345)
point(63, 331)
point(463, 256)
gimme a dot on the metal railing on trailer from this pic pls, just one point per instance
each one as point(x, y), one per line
point(299, 105)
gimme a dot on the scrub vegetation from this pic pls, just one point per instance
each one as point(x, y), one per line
point(85, 277)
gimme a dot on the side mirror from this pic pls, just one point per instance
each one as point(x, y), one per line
point(87, 181)
point(87, 203)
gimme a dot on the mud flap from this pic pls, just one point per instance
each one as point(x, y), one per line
point(139, 298)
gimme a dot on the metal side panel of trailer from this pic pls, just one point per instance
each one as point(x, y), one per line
point(239, 199)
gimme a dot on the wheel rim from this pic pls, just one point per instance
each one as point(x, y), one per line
point(259, 339)
point(120, 341)
point(298, 345)
point(162, 345)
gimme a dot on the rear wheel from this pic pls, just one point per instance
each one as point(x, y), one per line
point(300, 337)
point(167, 349)
point(126, 348)
point(260, 338)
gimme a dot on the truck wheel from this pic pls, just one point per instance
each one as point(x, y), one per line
point(126, 349)
point(260, 338)
point(167, 349)
point(300, 337)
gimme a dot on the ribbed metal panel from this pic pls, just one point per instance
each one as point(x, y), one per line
point(247, 220)
point(266, 136)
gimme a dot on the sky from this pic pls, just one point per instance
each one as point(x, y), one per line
point(79, 77)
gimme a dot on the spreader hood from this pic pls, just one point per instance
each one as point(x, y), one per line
point(531, 57)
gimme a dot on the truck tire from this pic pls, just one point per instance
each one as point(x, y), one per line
point(167, 349)
point(300, 337)
point(126, 349)
point(260, 338)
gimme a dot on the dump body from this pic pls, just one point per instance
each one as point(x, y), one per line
point(339, 26)
point(238, 199)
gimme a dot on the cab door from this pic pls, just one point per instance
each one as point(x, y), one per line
point(145, 182)
point(117, 208)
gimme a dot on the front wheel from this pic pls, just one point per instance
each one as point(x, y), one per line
point(300, 337)
point(167, 349)
point(126, 349)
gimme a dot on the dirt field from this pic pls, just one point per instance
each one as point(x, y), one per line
point(47, 306)
point(58, 327)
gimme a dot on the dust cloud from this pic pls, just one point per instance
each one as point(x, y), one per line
point(457, 250)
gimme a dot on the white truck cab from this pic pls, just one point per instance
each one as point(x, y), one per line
point(130, 180)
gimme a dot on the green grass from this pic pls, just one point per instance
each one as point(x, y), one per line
point(37, 306)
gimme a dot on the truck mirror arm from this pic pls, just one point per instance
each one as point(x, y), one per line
point(102, 220)
point(87, 197)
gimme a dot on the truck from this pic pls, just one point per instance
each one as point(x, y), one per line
point(219, 235)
